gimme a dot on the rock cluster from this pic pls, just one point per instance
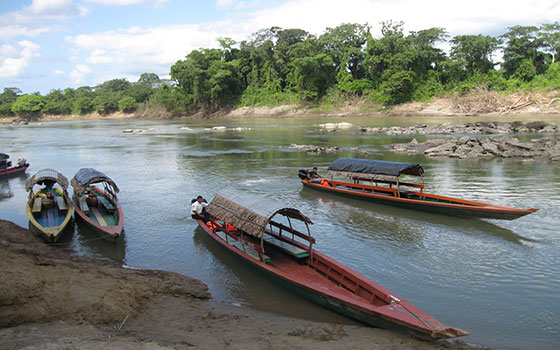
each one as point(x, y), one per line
point(315, 149)
point(478, 128)
point(546, 148)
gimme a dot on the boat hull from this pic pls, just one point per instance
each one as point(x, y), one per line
point(431, 203)
point(50, 225)
point(389, 316)
point(13, 171)
point(110, 233)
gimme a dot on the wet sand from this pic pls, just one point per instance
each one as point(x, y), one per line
point(53, 299)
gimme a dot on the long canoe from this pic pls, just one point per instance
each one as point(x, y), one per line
point(98, 206)
point(386, 189)
point(48, 208)
point(267, 236)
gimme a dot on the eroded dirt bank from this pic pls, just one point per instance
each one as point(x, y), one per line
point(51, 299)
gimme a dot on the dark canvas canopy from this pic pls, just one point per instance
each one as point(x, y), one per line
point(87, 176)
point(4, 156)
point(47, 175)
point(248, 212)
point(371, 168)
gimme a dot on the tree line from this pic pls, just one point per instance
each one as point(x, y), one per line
point(277, 66)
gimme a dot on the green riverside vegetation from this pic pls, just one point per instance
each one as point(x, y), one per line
point(291, 66)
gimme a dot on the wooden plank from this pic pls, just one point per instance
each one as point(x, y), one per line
point(61, 203)
point(98, 216)
point(83, 205)
point(37, 203)
point(287, 247)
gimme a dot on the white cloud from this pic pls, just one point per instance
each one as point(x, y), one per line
point(224, 4)
point(12, 31)
point(128, 2)
point(99, 56)
point(43, 10)
point(13, 61)
point(79, 73)
point(58, 72)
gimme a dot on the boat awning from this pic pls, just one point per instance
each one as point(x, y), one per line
point(4, 156)
point(248, 212)
point(46, 174)
point(372, 169)
point(87, 176)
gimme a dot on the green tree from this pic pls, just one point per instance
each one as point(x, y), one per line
point(521, 43)
point(474, 52)
point(7, 99)
point(313, 76)
point(128, 104)
point(105, 103)
point(28, 106)
point(56, 103)
point(549, 34)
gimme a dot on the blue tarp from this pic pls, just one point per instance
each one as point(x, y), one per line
point(378, 167)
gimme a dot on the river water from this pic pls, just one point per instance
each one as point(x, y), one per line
point(500, 280)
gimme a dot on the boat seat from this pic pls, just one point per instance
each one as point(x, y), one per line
point(98, 216)
point(61, 203)
point(106, 203)
point(287, 247)
point(37, 203)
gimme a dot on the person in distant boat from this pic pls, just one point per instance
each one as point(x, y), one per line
point(197, 209)
point(313, 174)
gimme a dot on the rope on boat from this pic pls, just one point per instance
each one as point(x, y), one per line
point(434, 329)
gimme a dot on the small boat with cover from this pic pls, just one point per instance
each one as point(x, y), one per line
point(6, 168)
point(98, 206)
point(386, 188)
point(48, 208)
point(277, 241)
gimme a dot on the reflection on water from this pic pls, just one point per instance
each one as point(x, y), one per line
point(497, 279)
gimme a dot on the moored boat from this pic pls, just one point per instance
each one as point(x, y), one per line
point(48, 208)
point(95, 199)
point(277, 241)
point(386, 188)
point(6, 168)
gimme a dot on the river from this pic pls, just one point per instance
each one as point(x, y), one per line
point(500, 280)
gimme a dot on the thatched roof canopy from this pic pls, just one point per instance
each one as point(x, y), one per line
point(248, 212)
point(46, 174)
point(88, 176)
point(373, 169)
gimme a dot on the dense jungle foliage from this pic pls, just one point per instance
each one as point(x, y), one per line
point(291, 66)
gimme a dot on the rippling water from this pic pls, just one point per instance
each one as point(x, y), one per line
point(500, 280)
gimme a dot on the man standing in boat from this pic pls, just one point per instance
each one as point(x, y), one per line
point(197, 209)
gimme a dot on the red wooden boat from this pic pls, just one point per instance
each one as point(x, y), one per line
point(271, 238)
point(98, 207)
point(387, 189)
point(6, 168)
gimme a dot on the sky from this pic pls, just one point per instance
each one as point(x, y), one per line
point(56, 44)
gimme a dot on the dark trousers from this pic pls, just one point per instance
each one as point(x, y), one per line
point(204, 216)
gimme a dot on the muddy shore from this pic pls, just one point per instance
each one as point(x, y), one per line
point(53, 299)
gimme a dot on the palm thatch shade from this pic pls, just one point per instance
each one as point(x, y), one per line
point(249, 213)
point(47, 174)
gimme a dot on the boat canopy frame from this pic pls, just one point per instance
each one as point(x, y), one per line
point(252, 215)
point(46, 174)
point(89, 176)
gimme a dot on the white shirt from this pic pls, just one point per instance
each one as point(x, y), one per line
point(197, 207)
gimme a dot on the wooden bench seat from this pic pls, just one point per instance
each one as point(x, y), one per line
point(83, 205)
point(98, 216)
point(61, 203)
point(286, 247)
point(37, 203)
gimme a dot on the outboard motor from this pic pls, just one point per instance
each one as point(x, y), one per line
point(303, 173)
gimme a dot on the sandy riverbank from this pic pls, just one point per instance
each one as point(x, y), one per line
point(52, 299)
point(478, 103)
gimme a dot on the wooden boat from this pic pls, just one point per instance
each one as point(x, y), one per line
point(98, 206)
point(387, 189)
point(6, 168)
point(48, 208)
point(277, 241)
